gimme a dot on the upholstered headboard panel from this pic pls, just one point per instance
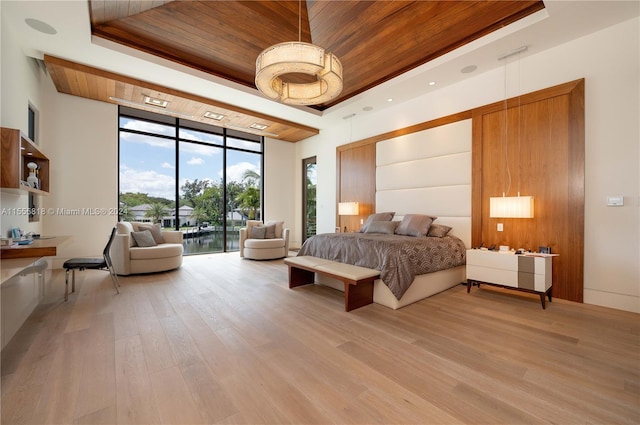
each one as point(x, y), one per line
point(428, 172)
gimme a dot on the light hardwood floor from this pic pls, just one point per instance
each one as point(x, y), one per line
point(223, 340)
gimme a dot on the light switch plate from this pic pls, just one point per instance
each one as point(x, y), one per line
point(500, 227)
point(615, 201)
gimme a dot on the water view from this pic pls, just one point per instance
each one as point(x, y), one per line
point(210, 241)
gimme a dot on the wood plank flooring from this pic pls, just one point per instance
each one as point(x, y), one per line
point(224, 341)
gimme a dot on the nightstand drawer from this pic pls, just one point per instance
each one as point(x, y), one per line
point(493, 275)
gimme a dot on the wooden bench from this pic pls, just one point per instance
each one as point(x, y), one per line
point(358, 281)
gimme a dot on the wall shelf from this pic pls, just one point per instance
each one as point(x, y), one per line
point(17, 151)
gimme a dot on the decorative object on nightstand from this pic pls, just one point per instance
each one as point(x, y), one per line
point(527, 272)
point(348, 208)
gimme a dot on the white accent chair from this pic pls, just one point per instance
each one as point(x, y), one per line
point(131, 259)
point(255, 247)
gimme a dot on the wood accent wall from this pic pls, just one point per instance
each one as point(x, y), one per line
point(356, 181)
point(545, 154)
point(547, 164)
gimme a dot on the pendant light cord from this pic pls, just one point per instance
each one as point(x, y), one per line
point(506, 132)
point(299, 21)
point(519, 124)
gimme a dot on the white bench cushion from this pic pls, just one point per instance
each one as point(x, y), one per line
point(348, 271)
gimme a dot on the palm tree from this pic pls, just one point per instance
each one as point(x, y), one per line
point(249, 202)
point(251, 177)
point(199, 214)
point(156, 212)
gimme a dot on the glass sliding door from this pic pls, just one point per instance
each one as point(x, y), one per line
point(309, 182)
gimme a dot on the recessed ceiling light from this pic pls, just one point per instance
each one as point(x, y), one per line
point(143, 105)
point(213, 115)
point(468, 69)
point(390, 100)
point(156, 102)
point(251, 129)
point(432, 83)
point(40, 26)
point(258, 126)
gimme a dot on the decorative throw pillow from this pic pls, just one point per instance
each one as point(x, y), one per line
point(384, 227)
point(250, 224)
point(125, 228)
point(279, 227)
point(270, 231)
point(415, 225)
point(156, 231)
point(144, 238)
point(257, 232)
point(384, 216)
point(438, 230)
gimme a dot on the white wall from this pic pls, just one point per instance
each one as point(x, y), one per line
point(280, 184)
point(83, 155)
point(20, 84)
point(609, 61)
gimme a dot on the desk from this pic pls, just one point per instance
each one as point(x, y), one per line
point(43, 247)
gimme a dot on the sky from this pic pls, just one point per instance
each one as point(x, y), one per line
point(148, 164)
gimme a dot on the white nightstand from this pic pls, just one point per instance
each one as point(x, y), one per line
point(527, 272)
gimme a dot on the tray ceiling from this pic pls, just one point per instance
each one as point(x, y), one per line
point(374, 40)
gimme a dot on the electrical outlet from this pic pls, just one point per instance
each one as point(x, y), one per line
point(500, 227)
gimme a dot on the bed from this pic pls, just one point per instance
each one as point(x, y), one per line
point(411, 268)
point(426, 172)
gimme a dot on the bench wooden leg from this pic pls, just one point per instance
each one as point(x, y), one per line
point(356, 296)
point(299, 277)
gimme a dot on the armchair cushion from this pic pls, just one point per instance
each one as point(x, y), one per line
point(279, 227)
point(144, 238)
point(156, 231)
point(258, 232)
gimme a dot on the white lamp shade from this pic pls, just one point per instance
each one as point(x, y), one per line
point(348, 208)
point(511, 207)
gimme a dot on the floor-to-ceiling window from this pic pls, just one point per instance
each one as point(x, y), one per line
point(201, 179)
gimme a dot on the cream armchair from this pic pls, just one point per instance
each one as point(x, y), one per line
point(163, 253)
point(267, 241)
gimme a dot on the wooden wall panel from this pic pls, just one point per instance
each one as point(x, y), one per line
point(356, 182)
point(544, 152)
point(549, 165)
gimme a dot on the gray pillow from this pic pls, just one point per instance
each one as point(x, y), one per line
point(415, 225)
point(144, 238)
point(258, 232)
point(384, 216)
point(438, 230)
point(384, 227)
point(270, 231)
point(156, 231)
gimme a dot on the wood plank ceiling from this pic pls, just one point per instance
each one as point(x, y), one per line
point(374, 40)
